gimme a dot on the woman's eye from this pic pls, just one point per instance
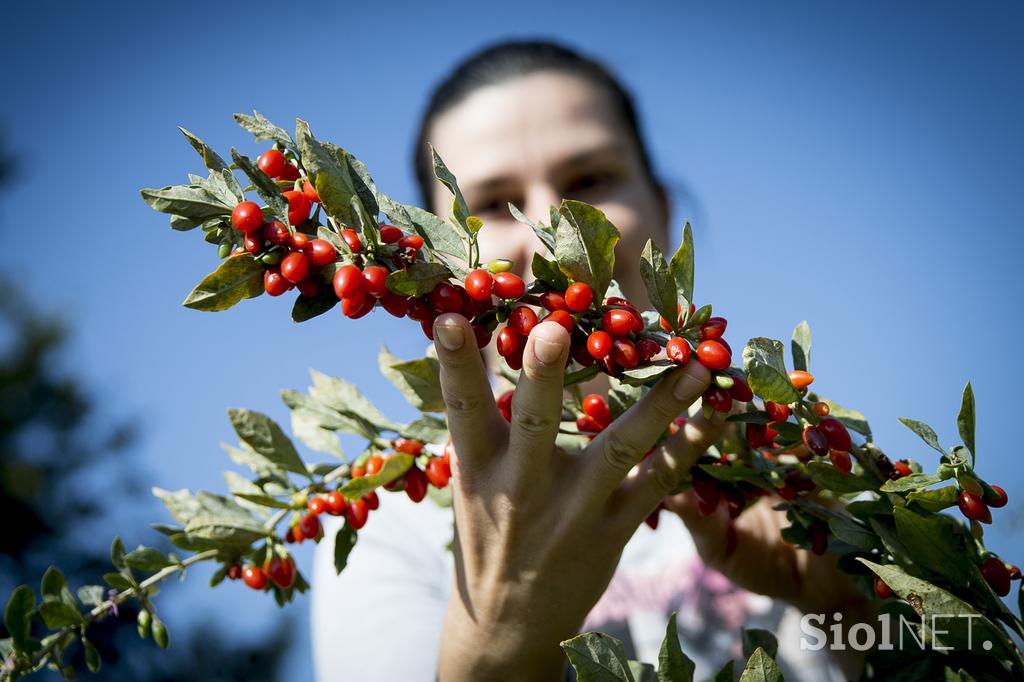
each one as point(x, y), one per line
point(589, 183)
point(491, 207)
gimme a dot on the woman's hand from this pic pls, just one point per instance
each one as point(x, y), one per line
point(539, 532)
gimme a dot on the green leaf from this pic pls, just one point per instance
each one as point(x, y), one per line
point(326, 417)
point(826, 476)
point(853, 533)
point(585, 245)
point(117, 553)
point(344, 397)
point(417, 279)
point(642, 672)
point(935, 500)
point(661, 287)
point(428, 429)
point(766, 371)
point(460, 210)
point(801, 346)
point(438, 233)
point(394, 467)
point(956, 623)
point(925, 432)
point(419, 381)
point(92, 656)
point(753, 417)
point(732, 472)
point(263, 129)
point(57, 614)
point(761, 668)
point(544, 233)
point(308, 428)
point(547, 272)
point(597, 657)
point(229, 530)
point(576, 376)
point(344, 541)
point(965, 420)
point(673, 664)
point(911, 482)
point(238, 277)
point(181, 503)
point(117, 581)
point(726, 674)
point(622, 396)
point(648, 374)
point(265, 437)
point(681, 267)
point(92, 595)
point(268, 190)
point(934, 540)
point(366, 190)
point(193, 203)
point(147, 559)
point(211, 159)
point(17, 618)
point(307, 307)
point(754, 639)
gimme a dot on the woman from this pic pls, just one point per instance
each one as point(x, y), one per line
point(548, 544)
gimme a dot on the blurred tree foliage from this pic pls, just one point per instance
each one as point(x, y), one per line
point(60, 468)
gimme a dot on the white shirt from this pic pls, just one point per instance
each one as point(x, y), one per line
point(381, 619)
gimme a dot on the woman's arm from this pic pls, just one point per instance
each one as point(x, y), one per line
point(539, 531)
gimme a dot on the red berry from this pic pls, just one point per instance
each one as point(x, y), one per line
point(713, 355)
point(358, 471)
point(271, 162)
point(321, 252)
point(777, 412)
point(882, 591)
point(357, 306)
point(389, 234)
point(375, 277)
point(289, 173)
point(356, 513)
point(836, 434)
point(274, 282)
point(678, 350)
point(997, 498)
point(553, 300)
point(275, 233)
point(254, 577)
point(281, 571)
point(562, 317)
point(647, 349)
point(415, 484)
point(508, 285)
point(973, 507)
point(841, 461)
point(595, 406)
point(437, 473)
point(253, 243)
point(578, 297)
point(295, 266)
point(996, 575)
point(411, 241)
point(335, 503)
point(348, 282)
point(420, 310)
point(482, 335)
point(298, 240)
point(234, 572)
point(707, 490)
point(395, 304)
point(374, 464)
point(815, 441)
point(408, 446)
point(505, 405)
point(714, 328)
point(478, 285)
point(309, 189)
point(740, 390)
point(444, 298)
point(599, 344)
point(587, 424)
point(902, 469)
point(316, 505)
point(247, 216)
point(624, 353)
point(718, 398)
point(821, 409)
point(818, 538)
point(800, 379)
point(372, 501)
point(351, 238)
point(298, 206)
point(522, 320)
point(310, 526)
point(617, 322)
point(509, 341)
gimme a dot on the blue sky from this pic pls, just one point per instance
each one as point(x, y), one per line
point(858, 166)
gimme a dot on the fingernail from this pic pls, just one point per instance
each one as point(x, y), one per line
point(450, 336)
point(548, 342)
point(687, 385)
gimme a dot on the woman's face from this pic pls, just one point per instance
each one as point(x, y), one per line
point(534, 141)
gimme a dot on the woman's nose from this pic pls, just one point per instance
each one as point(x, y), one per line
point(540, 197)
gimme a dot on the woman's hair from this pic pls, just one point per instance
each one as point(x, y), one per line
point(505, 61)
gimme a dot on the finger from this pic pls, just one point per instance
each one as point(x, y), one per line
point(615, 451)
point(660, 473)
point(473, 417)
point(537, 403)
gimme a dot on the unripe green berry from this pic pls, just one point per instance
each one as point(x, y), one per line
point(500, 265)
